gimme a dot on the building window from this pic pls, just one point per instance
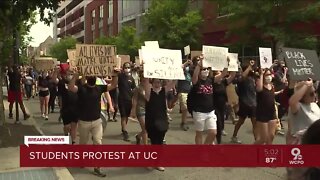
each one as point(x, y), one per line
point(101, 13)
point(93, 14)
point(110, 30)
point(101, 34)
point(93, 36)
point(110, 8)
point(125, 5)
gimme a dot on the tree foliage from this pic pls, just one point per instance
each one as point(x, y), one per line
point(15, 16)
point(127, 41)
point(59, 50)
point(273, 22)
point(172, 24)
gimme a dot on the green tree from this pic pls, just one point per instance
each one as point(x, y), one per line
point(13, 16)
point(59, 50)
point(127, 41)
point(173, 24)
point(271, 22)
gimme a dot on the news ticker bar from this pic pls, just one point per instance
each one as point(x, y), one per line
point(169, 156)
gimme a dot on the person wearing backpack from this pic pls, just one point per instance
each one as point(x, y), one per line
point(203, 103)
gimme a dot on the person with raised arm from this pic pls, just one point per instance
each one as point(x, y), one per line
point(203, 103)
point(89, 110)
point(156, 118)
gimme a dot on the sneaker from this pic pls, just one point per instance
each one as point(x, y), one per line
point(99, 172)
point(184, 127)
point(224, 133)
point(280, 133)
point(26, 116)
point(46, 118)
point(110, 120)
point(125, 135)
point(160, 168)
point(10, 116)
point(164, 141)
point(115, 120)
point(138, 139)
point(17, 122)
point(235, 140)
point(43, 116)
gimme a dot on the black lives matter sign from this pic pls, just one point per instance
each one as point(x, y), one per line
point(302, 63)
point(95, 60)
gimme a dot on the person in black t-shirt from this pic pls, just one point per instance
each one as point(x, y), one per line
point(53, 93)
point(220, 101)
point(44, 94)
point(247, 100)
point(14, 92)
point(69, 104)
point(126, 85)
point(89, 110)
point(203, 112)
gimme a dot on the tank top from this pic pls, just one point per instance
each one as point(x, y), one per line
point(266, 101)
point(156, 108)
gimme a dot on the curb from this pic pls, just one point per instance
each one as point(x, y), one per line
point(61, 173)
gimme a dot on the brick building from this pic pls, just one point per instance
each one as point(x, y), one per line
point(87, 20)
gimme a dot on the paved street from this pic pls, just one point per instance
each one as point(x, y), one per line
point(174, 136)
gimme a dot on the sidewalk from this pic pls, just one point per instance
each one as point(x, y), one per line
point(11, 137)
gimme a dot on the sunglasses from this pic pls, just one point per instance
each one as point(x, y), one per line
point(127, 67)
point(205, 69)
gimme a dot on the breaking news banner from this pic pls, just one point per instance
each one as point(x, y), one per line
point(60, 155)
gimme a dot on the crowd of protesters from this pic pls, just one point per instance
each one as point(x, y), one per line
point(266, 96)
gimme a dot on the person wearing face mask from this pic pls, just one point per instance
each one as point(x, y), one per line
point(183, 88)
point(68, 104)
point(203, 108)
point(126, 85)
point(266, 119)
point(89, 110)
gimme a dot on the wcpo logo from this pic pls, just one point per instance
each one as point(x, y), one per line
point(297, 157)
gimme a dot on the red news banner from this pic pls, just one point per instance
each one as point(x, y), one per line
point(169, 156)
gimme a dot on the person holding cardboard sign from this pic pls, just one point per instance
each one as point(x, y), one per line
point(203, 103)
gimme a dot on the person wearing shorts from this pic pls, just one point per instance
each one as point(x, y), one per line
point(247, 101)
point(183, 88)
point(69, 105)
point(126, 84)
point(139, 110)
point(203, 112)
point(14, 93)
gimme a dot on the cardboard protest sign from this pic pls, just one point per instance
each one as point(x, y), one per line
point(152, 44)
point(124, 59)
point(215, 57)
point(187, 50)
point(95, 60)
point(163, 64)
point(233, 63)
point(265, 55)
point(140, 57)
point(72, 59)
point(195, 53)
point(44, 64)
point(302, 63)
